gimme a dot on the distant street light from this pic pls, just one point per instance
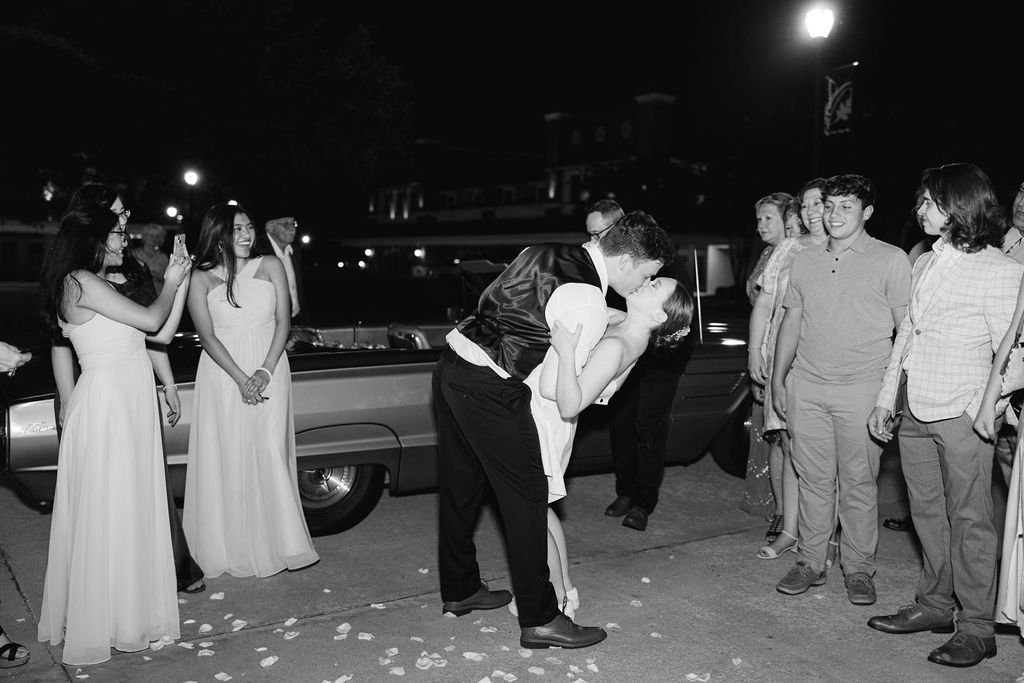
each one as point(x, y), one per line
point(305, 239)
point(819, 22)
point(191, 177)
point(232, 202)
point(172, 211)
point(368, 253)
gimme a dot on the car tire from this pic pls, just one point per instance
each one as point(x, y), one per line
point(731, 447)
point(335, 499)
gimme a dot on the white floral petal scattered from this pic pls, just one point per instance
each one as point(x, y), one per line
point(228, 616)
point(449, 615)
point(341, 636)
point(365, 636)
point(424, 663)
point(290, 621)
point(510, 677)
point(449, 648)
point(343, 628)
point(327, 590)
point(593, 667)
point(704, 678)
point(206, 644)
point(377, 605)
point(188, 621)
point(269, 661)
point(397, 670)
point(416, 639)
point(204, 653)
point(655, 634)
point(82, 676)
point(182, 601)
point(223, 676)
point(391, 651)
point(488, 629)
point(475, 656)
point(691, 677)
point(635, 603)
point(238, 624)
point(553, 660)
point(575, 669)
point(156, 645)
point(217, 596)
point(384, 661)
point(343, 679)
point(20, 620)
point(423, 570)
point(737, 661)
point(261, 649)
point(205, 628)
point(536, 670)
point(290, 634)
point(187, 646)
point(524, 653)
point(645, 580)
point(278, 630)
point(612, 625)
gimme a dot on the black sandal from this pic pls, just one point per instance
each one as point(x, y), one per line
point(9, 654)
point(774, 529)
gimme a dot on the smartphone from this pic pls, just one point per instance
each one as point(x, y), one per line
point(179, 244)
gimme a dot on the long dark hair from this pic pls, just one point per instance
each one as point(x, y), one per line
point(679, 309)
point(217, 243)
point(80, 244)
point(964, 193)
point(138, 284)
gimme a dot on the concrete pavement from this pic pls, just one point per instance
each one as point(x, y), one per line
point(685, 600)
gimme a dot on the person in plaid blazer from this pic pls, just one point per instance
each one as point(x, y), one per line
point(961, 304)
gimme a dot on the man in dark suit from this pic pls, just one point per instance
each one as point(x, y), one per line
point(277, 240)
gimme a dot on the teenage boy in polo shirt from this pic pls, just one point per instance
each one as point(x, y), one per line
point(845, 298)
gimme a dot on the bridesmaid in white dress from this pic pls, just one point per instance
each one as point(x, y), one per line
point(562, 386)
point(242, 512)
point(110, 572)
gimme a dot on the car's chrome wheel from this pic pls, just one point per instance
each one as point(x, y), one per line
point(337, 498)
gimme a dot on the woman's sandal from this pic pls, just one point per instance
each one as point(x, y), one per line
point(9, 654)
point(197, 587)
point(768, 553)
point(774, 529)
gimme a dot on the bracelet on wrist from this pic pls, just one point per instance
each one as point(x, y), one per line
point(170, 386)
point(269, 376)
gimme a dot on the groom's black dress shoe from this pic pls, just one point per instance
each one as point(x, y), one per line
point(561, 632)
point(619, 507)
point(964, 649)
point(484, 598)
point(911, 619)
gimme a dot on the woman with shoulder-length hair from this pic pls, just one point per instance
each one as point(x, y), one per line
point(243, 515)
point(110, 571)
point(940, 375)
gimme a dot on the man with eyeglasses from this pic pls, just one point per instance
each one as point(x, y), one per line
point(277, 240)
point(601, 216)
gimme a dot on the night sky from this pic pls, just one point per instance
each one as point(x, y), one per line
point(249, 92)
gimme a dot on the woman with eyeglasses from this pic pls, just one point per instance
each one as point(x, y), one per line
point(110, 571)
point(133, 279)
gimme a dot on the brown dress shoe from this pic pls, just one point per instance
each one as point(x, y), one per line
point(964, 649)
point(619, 507)
point(561, 632)
point(911, 619)
point(484, 598)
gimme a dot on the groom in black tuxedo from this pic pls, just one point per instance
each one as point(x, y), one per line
point(486, 433)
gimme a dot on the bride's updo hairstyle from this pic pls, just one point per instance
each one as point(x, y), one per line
point(679, 309)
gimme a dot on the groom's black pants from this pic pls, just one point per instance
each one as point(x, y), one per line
point(486, 434)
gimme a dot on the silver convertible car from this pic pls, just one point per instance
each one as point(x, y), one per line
point(364, 421)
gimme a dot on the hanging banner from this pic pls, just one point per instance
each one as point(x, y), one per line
point(838, 113)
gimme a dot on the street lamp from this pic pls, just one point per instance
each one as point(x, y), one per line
point(191, 177)
point(819, 22)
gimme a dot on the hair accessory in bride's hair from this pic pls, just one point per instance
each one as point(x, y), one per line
point(672, 338)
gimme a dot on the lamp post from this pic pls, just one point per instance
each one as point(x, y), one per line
point(819, 22)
